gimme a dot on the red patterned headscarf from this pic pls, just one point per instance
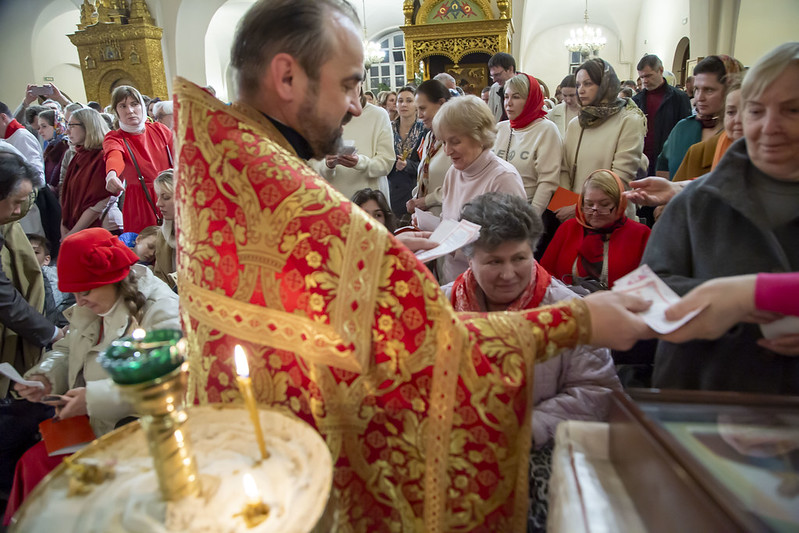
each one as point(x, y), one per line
point(533, 107)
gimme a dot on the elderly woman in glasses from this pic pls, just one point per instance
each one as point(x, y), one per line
point(600, 243)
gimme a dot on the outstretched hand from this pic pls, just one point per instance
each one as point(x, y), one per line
point(614, 319)
point(652, 191)
point(727, 301)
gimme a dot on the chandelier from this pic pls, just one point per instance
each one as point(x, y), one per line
point(586, 40)
point(372, 53)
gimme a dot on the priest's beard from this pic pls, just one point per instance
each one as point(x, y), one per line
point(321, 132)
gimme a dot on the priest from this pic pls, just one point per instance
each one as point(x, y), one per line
point(426, 412)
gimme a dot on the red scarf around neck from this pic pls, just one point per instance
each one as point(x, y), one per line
point(468, 296)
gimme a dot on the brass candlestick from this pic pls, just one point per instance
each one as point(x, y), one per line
point(137, 365)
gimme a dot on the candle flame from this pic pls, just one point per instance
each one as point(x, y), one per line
point(242, 368)
point(138, 334)
point(251, 489)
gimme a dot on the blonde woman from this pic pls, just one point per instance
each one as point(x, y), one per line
point(165, 248)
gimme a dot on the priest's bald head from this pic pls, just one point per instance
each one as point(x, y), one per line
point(301, 63)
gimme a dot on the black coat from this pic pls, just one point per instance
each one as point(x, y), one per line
point(17, 315)
point(675, 106)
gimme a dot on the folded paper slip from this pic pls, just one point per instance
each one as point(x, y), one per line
point(562, 198)
point(64, 437)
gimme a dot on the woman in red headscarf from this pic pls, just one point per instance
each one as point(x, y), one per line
point(529, 141)
point(600, 243)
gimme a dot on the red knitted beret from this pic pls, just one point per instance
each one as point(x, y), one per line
point(92, 258)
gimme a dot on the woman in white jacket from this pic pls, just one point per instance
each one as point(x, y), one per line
point(608, 133)
point(114, 296)
point(529, 141)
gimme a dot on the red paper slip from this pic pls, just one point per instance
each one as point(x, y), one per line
point(63, 437)
point(562, 198)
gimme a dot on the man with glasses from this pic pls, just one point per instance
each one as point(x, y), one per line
point(501, 68)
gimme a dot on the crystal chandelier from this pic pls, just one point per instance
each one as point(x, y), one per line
point(587, 39)
point(372, 53)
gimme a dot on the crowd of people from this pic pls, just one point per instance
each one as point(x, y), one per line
point(92, 194)
point(700, 185)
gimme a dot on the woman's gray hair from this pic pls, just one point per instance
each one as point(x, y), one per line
point(502, 218)
point(164, 106)
point(767, 69)
point(469, 116)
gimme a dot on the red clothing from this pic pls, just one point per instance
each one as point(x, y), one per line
point(626, 248)
point(84, 185)
point(153, 150)
point(53, 155)
point(13, 126)
point(33, 467)
point(778, 292)
point(653, 100)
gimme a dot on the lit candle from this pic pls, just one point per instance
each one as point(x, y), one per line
point(255, 510)
point(245, 387)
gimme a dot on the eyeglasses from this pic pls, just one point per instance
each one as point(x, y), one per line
point(74, 124)
point(598, 210)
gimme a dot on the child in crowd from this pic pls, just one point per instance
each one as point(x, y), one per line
point(142, 244)
point(53, 307)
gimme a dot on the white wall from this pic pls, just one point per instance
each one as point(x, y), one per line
point(660, 28)
point(764, 26)
point(57, 57)
point(218, 41)
point(20, 22)
point(549, 58)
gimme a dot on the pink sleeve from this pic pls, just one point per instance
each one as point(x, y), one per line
point(778, 293)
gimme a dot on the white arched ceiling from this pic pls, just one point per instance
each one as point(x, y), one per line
point(617, 18)
point(218, 41)
point(193, 18)
point(53, 53)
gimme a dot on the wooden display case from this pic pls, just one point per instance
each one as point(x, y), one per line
point(708, 461)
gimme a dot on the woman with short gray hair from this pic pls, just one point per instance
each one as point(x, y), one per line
point(504, 276)
point(467, 130)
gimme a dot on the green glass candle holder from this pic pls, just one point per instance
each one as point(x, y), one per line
point(150, 370)
point(141, 358)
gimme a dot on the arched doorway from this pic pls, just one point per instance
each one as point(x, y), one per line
point(680, 64)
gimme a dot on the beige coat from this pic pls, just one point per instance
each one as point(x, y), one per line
point(558, 115)
point(617, 144)
point(73, 360)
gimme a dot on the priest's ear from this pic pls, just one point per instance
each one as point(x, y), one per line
point(288, 79)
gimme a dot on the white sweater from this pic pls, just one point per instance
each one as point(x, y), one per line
point(535, 151)
point(374, 141)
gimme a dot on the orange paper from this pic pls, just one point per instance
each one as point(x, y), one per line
point(63, 437)
point(562, 198)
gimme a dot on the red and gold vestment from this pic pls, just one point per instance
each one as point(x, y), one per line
point(427, 413)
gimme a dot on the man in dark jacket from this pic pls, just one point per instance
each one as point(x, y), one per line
point(663, 105)
point(23, 329)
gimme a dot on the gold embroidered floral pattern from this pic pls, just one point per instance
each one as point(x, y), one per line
point(426, 413)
